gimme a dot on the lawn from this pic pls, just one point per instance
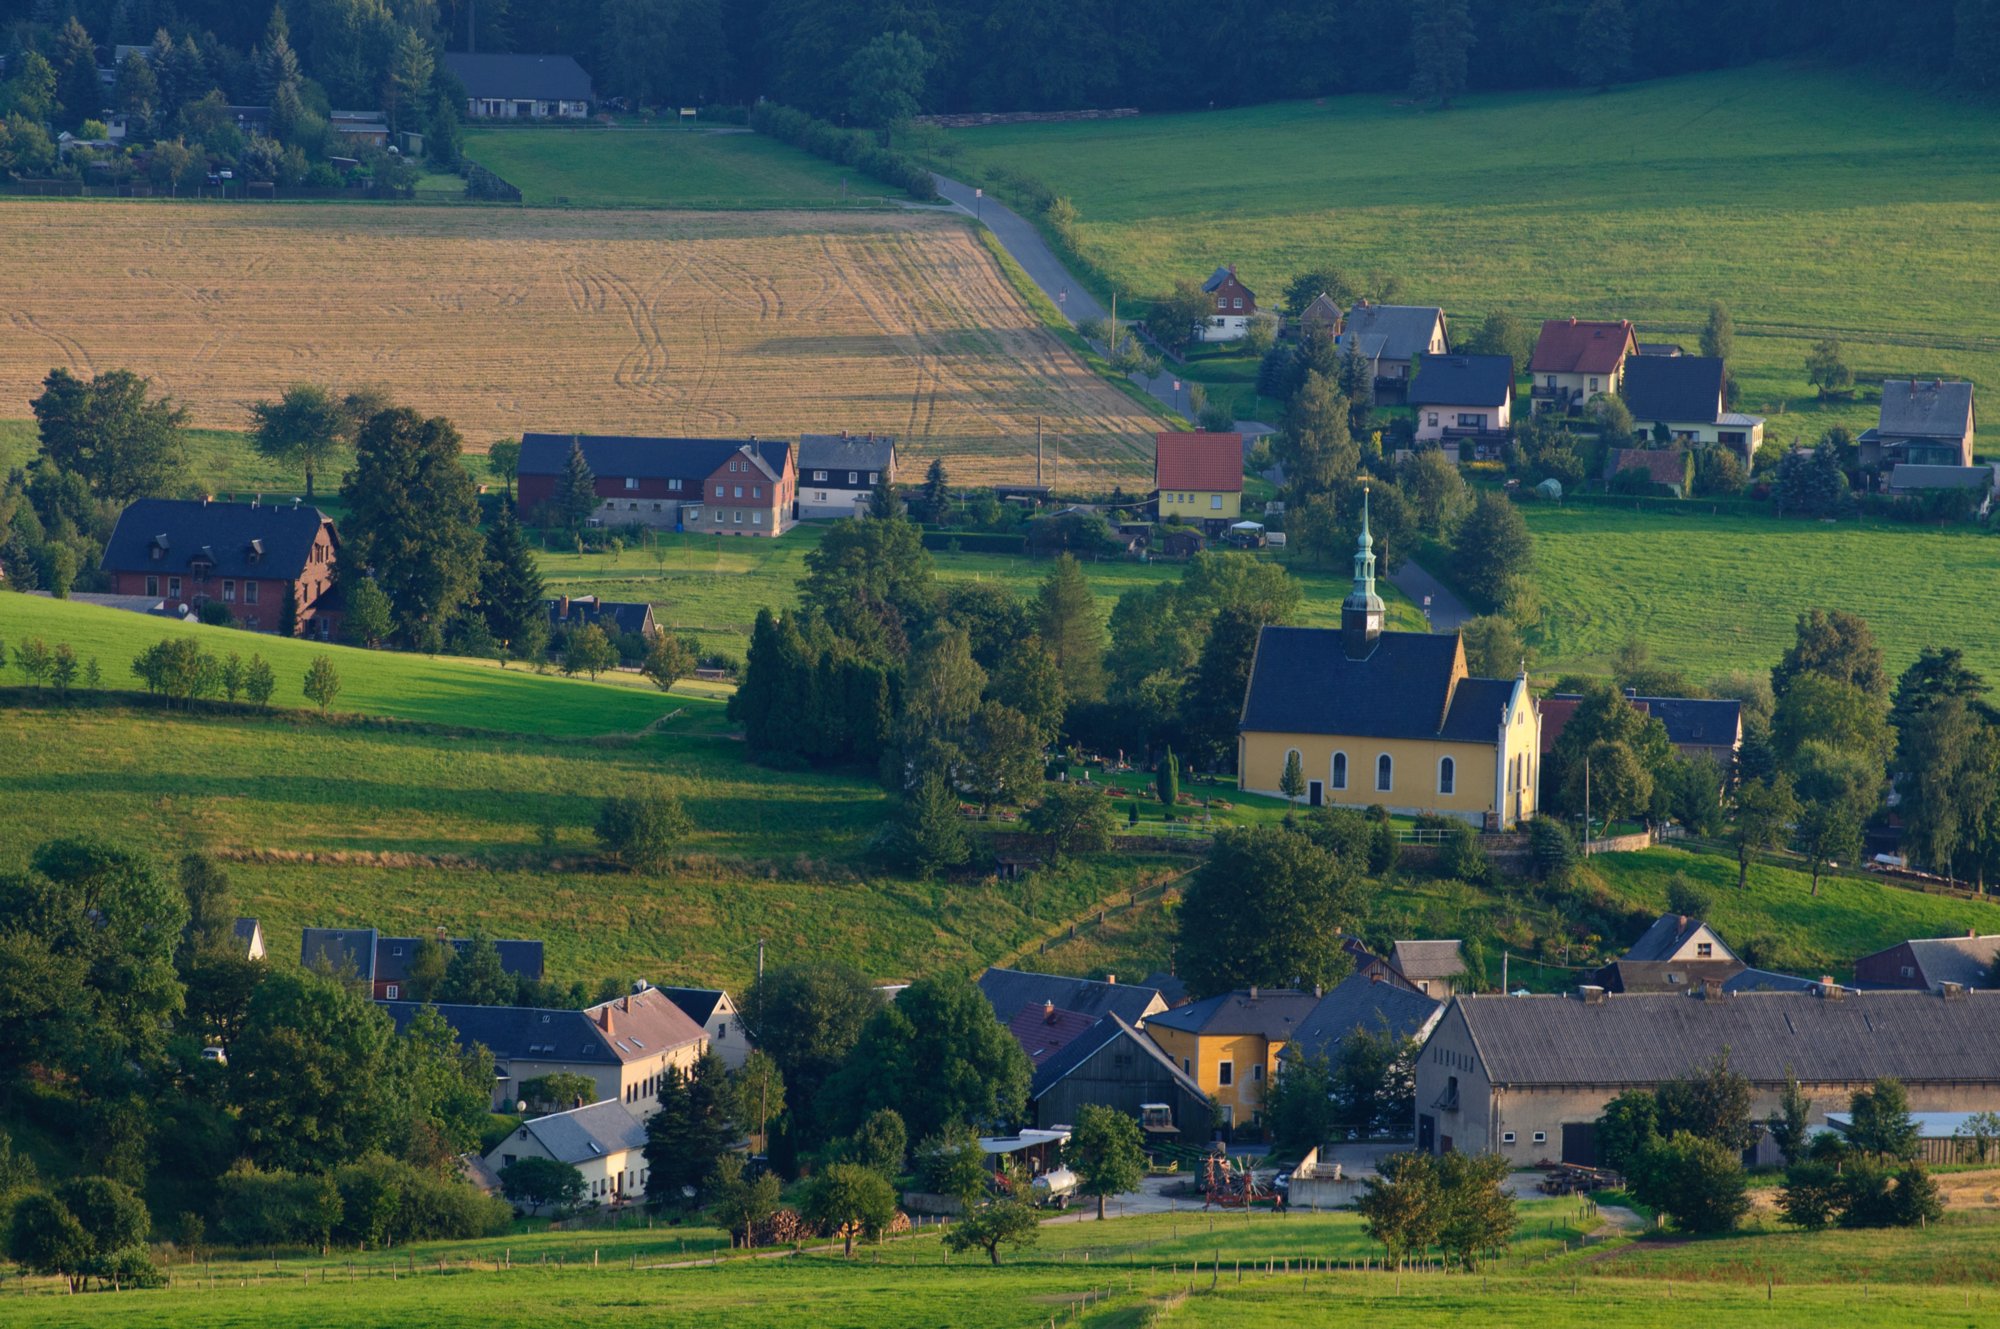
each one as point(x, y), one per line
point(662, 168)
point(1713, 593)
point(1814, 202)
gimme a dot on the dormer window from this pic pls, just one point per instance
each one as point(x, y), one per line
point(254, 552)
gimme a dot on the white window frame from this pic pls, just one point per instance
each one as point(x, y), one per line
point(819, 477)
point(854, 477)
point(392, 990)
point(1541, 1137)
point(1506, 1137)
point(631, 482)
point(1385, 765)
point(1215, 502)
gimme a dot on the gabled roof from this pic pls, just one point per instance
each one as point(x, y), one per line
point(1963, 960)
point(1363, 1003)
point(1212, 463)
point(245, 929)
point(1567, 346)
point(698, 1004)
point(1220, 276)
point(587, 1133)
point(1908, 475)
point(1302, 682)
point(1323, 309)
point(1043, 1031)
point(618, 616)
point(1274, 1013)
point(1172, 989)
point(1665, 975)
point(341, 949)
point(847, 452)
point(1673, 389)
point(1663, 466)
point(261, 540)
point(648, 458)
point(519, 959)
point(1011, 989)
point(527, 77)
point(1428, 959)
point(1391, 332)
point(1645, 1039)
point(1462, 380)
point(1094, 1040)
point(1668, 934)
point(642, 1025)
point(1925, 408)
point(1712, 722)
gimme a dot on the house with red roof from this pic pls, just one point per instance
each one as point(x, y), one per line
point(1576, 360)
point(1198, 477)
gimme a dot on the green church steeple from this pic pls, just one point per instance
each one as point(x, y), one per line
point(1361, 613)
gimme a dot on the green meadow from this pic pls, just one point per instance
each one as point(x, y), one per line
point(1813, 202)
point(661, 168)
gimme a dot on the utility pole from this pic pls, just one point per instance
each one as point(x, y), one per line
point(1586, 806)
point(1505, 988)
point(1038, 452)
point(763, 1081)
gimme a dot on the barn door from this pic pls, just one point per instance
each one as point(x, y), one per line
point(1580, 1143)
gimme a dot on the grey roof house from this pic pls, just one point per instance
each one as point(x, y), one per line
point(1389, 337)
point(521, 87)
point(1112, 1064)
point(1365, 1004)
point(1687, 394)
point(712, 1009)
point(1433, 966)
point(1926, 422)
point(601, 1140)
point(1925, 962)
point(838, 472)
point(1012, 989)
point(616, 617)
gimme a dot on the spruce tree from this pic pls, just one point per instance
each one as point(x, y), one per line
point(696, 1124)
point(510, 585)
point(1167, 779)
point(937, 493)
point(1071, 629)
point(576, 491)
point(933, 835)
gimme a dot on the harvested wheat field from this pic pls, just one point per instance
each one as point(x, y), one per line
point(628, 322)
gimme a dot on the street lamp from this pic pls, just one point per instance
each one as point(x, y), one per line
point(979, 203)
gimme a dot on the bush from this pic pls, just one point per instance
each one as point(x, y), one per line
point(216, 614)
point(1552, 848)
point(1463, 857)
point(641, 831)
point(1689, 897)
point(848, 147)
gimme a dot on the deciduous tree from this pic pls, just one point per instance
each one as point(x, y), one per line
point(413, 519)
point(1267, 907)
point(125, 443)
point(305, 428)
point(1107, 1153)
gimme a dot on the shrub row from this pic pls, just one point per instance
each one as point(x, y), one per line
point(976, 542)
point(848, 147)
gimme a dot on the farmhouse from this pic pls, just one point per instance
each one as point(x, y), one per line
point(1235, 306)
point(1574, 362)
point(624, 1045)
point(1696, 726)
point(1527, 1077)
point(1680, 954)
point(718, 486)
point(1686, 395)
point(1198, 477)
point(1925, 422)
point(712, 1009)
point(1433, 966)
point(249, 557)
point(602, 1141)
point(1012, 990)
point(1927, 962)
point(1387, 717)
point(1466, 399)
point(1229, 1045)
point(1110, 1063)
point(838, 472)
point(1390, 338)
point(616, 617)
point(384, 962)
point(1321, 318)
point(521, 87)
point(1363, 1004)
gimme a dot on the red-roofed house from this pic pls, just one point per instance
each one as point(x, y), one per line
point(1199, 477)
point(1575, 361)
point(1044, 1030)
point(1672, 467)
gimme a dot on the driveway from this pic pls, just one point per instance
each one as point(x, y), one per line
point(1150, 1198)
point(1448, 613)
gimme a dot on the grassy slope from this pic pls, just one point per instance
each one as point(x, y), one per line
point(663, 168)
point(1812, 202)
point(1715, 593)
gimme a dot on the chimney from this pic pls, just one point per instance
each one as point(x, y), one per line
point(1111, 980)
point(1591, 994)
point(1048, 1011)
point(604, 1019)
point(625, 1003)
point(1952, 991)
point(1830, 990)
point(207, 499)
point(562, 607)
point(1253, 992)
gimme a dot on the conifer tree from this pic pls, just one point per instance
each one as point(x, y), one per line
point(510, 585)
point(1071, 629)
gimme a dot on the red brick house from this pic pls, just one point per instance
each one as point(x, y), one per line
point(248, 556)
point(1235, 306)
point(723, 486)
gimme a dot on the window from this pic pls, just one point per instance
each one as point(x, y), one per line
point(249, 592)
point(874, 477)
point(1909, 972)
point(1466, 420)
point(631, 482)
point(1552, 380)
point(631, 507)
point(393, 990)
point(854, 477)
point(756, 491)
point(152, 585)
point(1447, 775)
point(722, 491)
point(1430, 418)
point(1506, 1137)
point(820, 496)
point(1541, 1137)
point(1593, 385)
point(1225, 1072)
point(1185, 1068)
point(738, 493)
point(1340, 770)
point(756, 519)
point(1237, 303)
point(1424, 985)
point(656, 507)
point(819, 477)
point(674, 486)
point(1385, 772)
point(174, 587)
point(1257, 1071)
point(722, 1031)
point(1215, 502)
point(1704, 949)
point(718, 514)
point(739, 518)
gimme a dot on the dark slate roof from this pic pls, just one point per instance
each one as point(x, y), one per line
point(1221, 275)
point(1462, 380)
point(1665, 975)
point(1690, 721)
point(1275, 1013)
point(647, 458)
point(698, 1004)
point(1093, 1041)
point(1392, 332)
point(230, 532)
point(1668, 934)
point(617, 616)
point(847, 452)
point(527, 77)
point(1963, 960)
point(1673, 388)
point(341, 949)
point(1908, 475)
point(587, 1133)
point(1428, 959)
point(1172, 989)
point(1361, 1003)
point(1302, 682)
point(246, 930)
point(1011, 989)
point(1925, 408)
point(526, 1032)
point(1645, 1039)
point(520, 959)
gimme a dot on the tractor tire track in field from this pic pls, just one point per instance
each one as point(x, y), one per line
point(72, 349)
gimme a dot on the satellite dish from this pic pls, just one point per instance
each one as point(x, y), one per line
point(521, 1106)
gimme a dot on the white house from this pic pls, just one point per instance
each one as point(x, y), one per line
point(602, 1141)
point(838, 473)
point(712, 1009)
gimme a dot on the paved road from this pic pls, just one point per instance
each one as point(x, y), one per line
point(1448, 612)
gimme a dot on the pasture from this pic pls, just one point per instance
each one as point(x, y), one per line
point(1813, 202)
point(507, 320)
point(661, 168)
point(1710, 594)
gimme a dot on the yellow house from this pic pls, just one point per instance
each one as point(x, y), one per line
point(1387, 717)
point(1198, 477)
point(1230, 1045)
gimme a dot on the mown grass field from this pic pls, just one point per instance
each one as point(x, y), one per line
point(1122, 1273)
point(1714, 593)
point(504, 320)
point(1814, 202)
point(662, 168)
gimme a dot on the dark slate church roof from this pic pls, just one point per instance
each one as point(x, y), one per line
point(1644, 1039)
point(1302, 682)
point(278, 535)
